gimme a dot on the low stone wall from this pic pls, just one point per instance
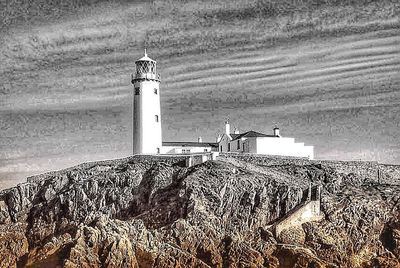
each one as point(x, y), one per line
point(169, 159)
point(364, 169)
point(266, 159)
point(182, 160)
point(309, 211)
point(389, 174)
point(369, 170)
point(195, 159)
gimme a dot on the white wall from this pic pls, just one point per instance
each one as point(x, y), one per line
point(283, 146)
point(146, 131)
point(307, 212)
point(179, 150)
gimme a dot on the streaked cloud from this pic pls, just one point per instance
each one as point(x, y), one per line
point(327, 72)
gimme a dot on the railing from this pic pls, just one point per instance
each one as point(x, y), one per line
point(150, 76)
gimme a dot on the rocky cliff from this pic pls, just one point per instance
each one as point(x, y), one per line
point(154, 212)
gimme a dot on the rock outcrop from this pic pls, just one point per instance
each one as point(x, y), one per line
point(154, 212)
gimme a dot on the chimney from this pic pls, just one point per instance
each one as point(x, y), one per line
point(199, 139)
point(236, 131)
point(276, 132)
point(227, 128)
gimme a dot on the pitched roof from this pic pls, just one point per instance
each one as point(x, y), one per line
point(234, 136)
point(145, 58)
point(251, 134)
point(189, 144)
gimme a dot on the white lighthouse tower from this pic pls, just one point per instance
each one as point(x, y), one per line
point(146, 107)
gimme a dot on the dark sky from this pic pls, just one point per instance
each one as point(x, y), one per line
point(325, 72)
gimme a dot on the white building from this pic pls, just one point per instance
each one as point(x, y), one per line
point(147, 138)
point(258, 143)
point(188, 147)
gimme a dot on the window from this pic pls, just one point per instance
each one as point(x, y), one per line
point(205, 150)
point(156, 118)
point(229, 147)
point(155, 91)
point(185, 151)
point(146, 68)
point(238, 144)
point(220, 148)
point(137, 90)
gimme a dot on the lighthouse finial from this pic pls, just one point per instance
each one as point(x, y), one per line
point(145, 52)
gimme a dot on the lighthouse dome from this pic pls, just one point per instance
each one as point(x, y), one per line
point(145, 57)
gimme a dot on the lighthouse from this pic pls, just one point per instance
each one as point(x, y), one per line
point(147, 137)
